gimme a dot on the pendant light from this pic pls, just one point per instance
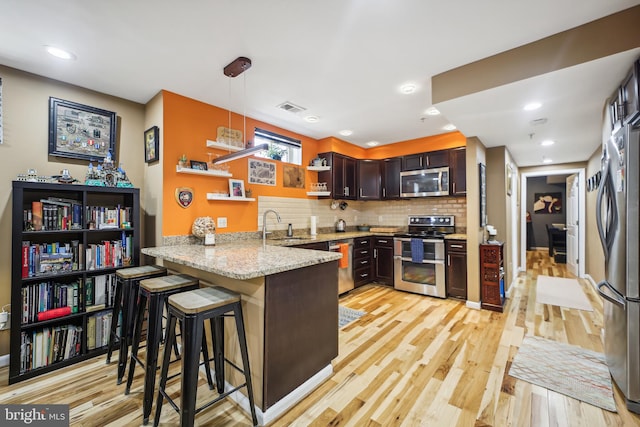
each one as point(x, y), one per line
point(234, 69)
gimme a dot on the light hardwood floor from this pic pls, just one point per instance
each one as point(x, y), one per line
point(411, 360)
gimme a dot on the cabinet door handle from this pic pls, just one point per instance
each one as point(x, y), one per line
point(384, 192)
point(346, 191)
point(375, 253)
point(456, 246)
point(454, 188)
point(360, 191)
point(382, 241)
point(422, 162)
point(448, 259)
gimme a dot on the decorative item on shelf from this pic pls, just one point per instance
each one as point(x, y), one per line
point(236, 188)
point(205, 228)
point(182, 161)
point(198, 165)
point(32, 176)
point(248, 193)
point(184, 196)
point(492, 233)
point(107, 175)
point(318, 161)
point(65, 177)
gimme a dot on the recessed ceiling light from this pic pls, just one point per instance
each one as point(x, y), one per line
point(312, 119)
point(432, 111)
point(346, 132)
point(372, 143)
point(449, 127)
point(532, 106)
point(60, 53)
point(408, 88)
point(547, 142)
point(546, 160)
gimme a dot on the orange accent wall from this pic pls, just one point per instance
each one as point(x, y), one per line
point(188, 124)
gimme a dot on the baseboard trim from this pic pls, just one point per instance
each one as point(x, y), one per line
point(4, 360)
point(284, 404)
point(474, 305)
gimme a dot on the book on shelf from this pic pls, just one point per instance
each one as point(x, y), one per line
point(49, 345)
point(36, 212)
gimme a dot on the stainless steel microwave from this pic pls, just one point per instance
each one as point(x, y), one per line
point(425, 182)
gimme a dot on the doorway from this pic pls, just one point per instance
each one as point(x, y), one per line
point(576, 211)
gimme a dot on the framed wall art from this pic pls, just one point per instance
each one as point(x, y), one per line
point(81, 132)
point(236, 188)
point(152, 144)
point(483, 194)
point(547, 203)
point(262, 172)
point(195, 164)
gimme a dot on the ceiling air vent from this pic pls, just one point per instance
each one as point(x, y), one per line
point(291, 107)
point(538, 122)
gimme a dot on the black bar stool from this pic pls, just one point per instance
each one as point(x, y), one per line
point(127, 283)
point(155, 292)
point(193, 308)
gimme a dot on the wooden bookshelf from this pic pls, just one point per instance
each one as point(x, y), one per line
point(100, 227)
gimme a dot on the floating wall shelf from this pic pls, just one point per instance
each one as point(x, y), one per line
point(213, 196)
point(223, 146)
point(318, 193)
point(210, 172)
point(318, 168)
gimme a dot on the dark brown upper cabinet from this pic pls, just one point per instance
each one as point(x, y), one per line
point(368, 180)
point(432, 159)
point(390, 171)
point(458, 171)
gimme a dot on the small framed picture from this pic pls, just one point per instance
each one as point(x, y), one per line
point(236, 188)
point(198, 165)
point(151, 144)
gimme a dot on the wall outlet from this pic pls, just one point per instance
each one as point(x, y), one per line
point(222, 222)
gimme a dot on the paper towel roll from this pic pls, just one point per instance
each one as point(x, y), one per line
point(314, 220)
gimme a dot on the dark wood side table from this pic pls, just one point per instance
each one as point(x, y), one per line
point(492, 275)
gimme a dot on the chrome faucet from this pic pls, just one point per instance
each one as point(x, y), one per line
point(264, 225)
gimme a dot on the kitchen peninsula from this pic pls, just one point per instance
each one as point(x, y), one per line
point(290, 305)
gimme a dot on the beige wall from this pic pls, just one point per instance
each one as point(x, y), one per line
point(476, 153)
point(25, 100)
point(594, 263)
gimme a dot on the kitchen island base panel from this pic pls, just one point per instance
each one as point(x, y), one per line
point(273, 307)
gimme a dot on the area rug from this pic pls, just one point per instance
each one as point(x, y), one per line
point(570, 370)
point(347, 315)
point(562, 292)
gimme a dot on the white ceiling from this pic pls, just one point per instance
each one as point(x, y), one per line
point(343, 60)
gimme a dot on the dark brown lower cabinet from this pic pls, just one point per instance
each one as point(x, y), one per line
point(383, 259)
point(456, 269)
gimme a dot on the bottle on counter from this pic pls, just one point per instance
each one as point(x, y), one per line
point(289, 231)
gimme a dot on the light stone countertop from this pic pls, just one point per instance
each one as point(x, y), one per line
point(457, 236)
point(242, 260)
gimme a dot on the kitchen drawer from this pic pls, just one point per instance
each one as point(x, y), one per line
point(362, 242)
point(362, 276)
point(361, 262)
point(361, 252)
point(383, 241)
point(456, 245)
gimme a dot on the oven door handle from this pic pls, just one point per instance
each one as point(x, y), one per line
point(424, 261)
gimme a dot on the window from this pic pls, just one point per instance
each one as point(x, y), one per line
point(281, 148)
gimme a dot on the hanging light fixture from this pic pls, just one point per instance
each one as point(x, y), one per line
point(234, 69)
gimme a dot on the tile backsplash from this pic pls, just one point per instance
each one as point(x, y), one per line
point(387, 213)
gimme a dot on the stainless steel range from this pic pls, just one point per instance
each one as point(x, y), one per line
point(419, 264)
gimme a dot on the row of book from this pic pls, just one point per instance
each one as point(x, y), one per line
point(56, 213)
point(108, 217)
point(53, 213)
point(98, 330)
point(50, 258)
point(43, 301)
point(49, 345)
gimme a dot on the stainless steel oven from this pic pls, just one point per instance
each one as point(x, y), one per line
point(426, 277)
point(418, 255)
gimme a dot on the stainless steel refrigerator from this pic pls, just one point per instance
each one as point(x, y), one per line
point(617, 217)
